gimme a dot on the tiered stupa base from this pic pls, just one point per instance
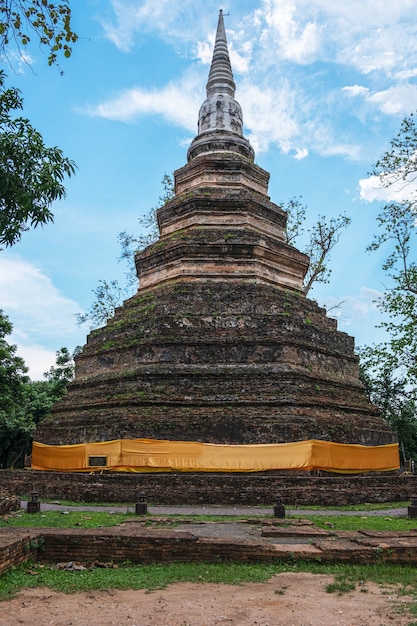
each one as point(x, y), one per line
point(220, 362)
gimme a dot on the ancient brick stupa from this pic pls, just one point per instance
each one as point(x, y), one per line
point(219, 345)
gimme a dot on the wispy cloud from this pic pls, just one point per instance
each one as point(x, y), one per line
point(278, 46)
point(178, 102)
point(297, 37)
point(398, 99)
point(30, 299)
point(372, 189)
point(172, 21)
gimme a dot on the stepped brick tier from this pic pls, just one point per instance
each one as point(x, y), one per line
point(215, 361)
point(220, 343)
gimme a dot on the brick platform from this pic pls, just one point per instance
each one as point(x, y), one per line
point(248, 541)
point(254, 489)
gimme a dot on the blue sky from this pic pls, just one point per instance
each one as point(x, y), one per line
point(323, 86)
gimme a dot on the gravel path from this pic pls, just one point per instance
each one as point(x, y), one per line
point(221, 510)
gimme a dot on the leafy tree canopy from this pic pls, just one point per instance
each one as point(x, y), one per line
point(23, 403)
point(397, 235)
point(13, 380)
point(322, 237)
point(49, 23)
point(110, 294)
point(390, 367)
point(389, 392)
point(31, 174)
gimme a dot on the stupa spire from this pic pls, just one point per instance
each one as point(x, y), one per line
point(220, 121)
point(220, 78)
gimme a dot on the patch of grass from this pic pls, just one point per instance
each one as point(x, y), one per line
point(158, 576)
point(367, 506)
point(341, 586)
point(59, 519)
point(149, 577)
point(362, 522)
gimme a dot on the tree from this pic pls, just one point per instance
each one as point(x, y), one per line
point(389, 392)
point(31, 175)
point(397, 234)
point(109, 295)
point(391, 366)
point(23, 403)
point(42, 394)
point(49, 23)
point(15, 429)
point(148, 222)
point(322, 238)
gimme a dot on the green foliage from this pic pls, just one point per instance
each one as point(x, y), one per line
point(49, 23)
point(95, 519)
point(15, 429)
point(151, 577)
point(321, 239)
point(56, 519)
point(31, 175)
point(391, 366)
point(159, 576)
point(391, 394)
point(24, 403)
point(110, 295)
point(341, 586)
point(362, 522)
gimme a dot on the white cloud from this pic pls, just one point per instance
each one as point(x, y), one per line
point(178, 102)
point(355, 90)
point(18, 60)
point(131, 17)
point(399, 191)
point(398, 99)
point(174, 22)
point(370, 36)
point(270, 43)
point(38, 358)
point(38, 312)
point(406, 74)
point(298, 38)
point(270, 115)
point(349, 308)
point(300, 153)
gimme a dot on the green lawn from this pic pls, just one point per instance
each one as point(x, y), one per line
point(158, 576)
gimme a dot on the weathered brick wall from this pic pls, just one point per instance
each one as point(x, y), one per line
point(220, 363)
point(144, 545)
point(16, 548)
point(164, 546)
point(254, 489)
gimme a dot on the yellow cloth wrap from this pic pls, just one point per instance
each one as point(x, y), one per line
point(153, 455)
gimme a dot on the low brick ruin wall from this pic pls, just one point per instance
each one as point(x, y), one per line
point(255, 489)
point(17, 546)
point(143, 545)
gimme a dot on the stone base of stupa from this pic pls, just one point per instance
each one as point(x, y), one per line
point(220, 362)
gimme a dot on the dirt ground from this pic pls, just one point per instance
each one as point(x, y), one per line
point(290, 599)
